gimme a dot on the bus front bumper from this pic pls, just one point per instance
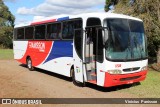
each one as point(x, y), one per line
point(120, 79)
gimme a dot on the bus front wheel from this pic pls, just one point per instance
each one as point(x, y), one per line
point(29, 64)
point(74, 80)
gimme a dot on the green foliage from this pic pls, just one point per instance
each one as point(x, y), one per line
point(6, 26)
point(149, 12)
point(110, 2)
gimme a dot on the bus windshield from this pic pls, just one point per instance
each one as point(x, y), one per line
point(126, 40)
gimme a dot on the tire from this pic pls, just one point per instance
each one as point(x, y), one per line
point(29, 64)
point(79, 84)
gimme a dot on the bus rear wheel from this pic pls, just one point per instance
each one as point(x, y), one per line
point(29, 64)
point(74, 80)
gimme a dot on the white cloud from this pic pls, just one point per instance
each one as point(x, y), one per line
point(56, 7)
point(38, 17)
point(21, 21)
point(76, 3)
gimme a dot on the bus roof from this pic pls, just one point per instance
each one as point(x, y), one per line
point(84, 16)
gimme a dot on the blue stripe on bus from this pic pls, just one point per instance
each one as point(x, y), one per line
point(60, 49)
point(63, 18)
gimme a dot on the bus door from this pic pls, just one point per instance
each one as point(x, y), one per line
point(77, 55)
point(90, 54)
point(87, 53)
point(93, 52)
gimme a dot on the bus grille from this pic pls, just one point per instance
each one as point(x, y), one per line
point(131, 69)
point(130, 78)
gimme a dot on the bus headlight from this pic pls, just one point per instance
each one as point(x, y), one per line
point(116, 71)
point(144, 68)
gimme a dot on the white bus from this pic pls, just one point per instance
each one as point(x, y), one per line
point(105, 49)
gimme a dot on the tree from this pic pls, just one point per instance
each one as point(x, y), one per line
point(149, 12)
point(109, 3)
point(6, 26)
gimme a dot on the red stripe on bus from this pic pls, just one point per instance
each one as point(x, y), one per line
point(43, 22)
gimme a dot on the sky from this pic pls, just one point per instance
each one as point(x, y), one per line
point(29, 10)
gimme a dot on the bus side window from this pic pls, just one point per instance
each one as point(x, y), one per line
point(40, 32)
point(20, 33)
point(65, 30)
point(29, 32)
point(77, 24)
point(53, 31)
point(78, 42)
point(68, 28)
point(15, 34)
point(99, 46)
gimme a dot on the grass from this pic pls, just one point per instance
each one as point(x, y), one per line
point(149, 88)
point(6, 54)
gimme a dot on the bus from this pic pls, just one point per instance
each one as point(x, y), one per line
point(105, 49)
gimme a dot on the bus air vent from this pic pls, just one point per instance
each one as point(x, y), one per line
point(131, 69)
point(130, 78)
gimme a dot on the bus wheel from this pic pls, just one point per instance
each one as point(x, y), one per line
point(74, 80)
point(29, 64)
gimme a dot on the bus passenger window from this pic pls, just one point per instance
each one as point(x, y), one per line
point(29, 33)
point(53, 31)
point(20, 33)
point(40, 32)
point(78, 42)
point(15, 34)
point(68, 28)
point(77, 24)
point(99, 46)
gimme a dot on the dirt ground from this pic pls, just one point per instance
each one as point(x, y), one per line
point(16, 81)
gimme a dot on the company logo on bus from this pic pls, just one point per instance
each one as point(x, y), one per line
point(117, 65)
point(37, 45)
